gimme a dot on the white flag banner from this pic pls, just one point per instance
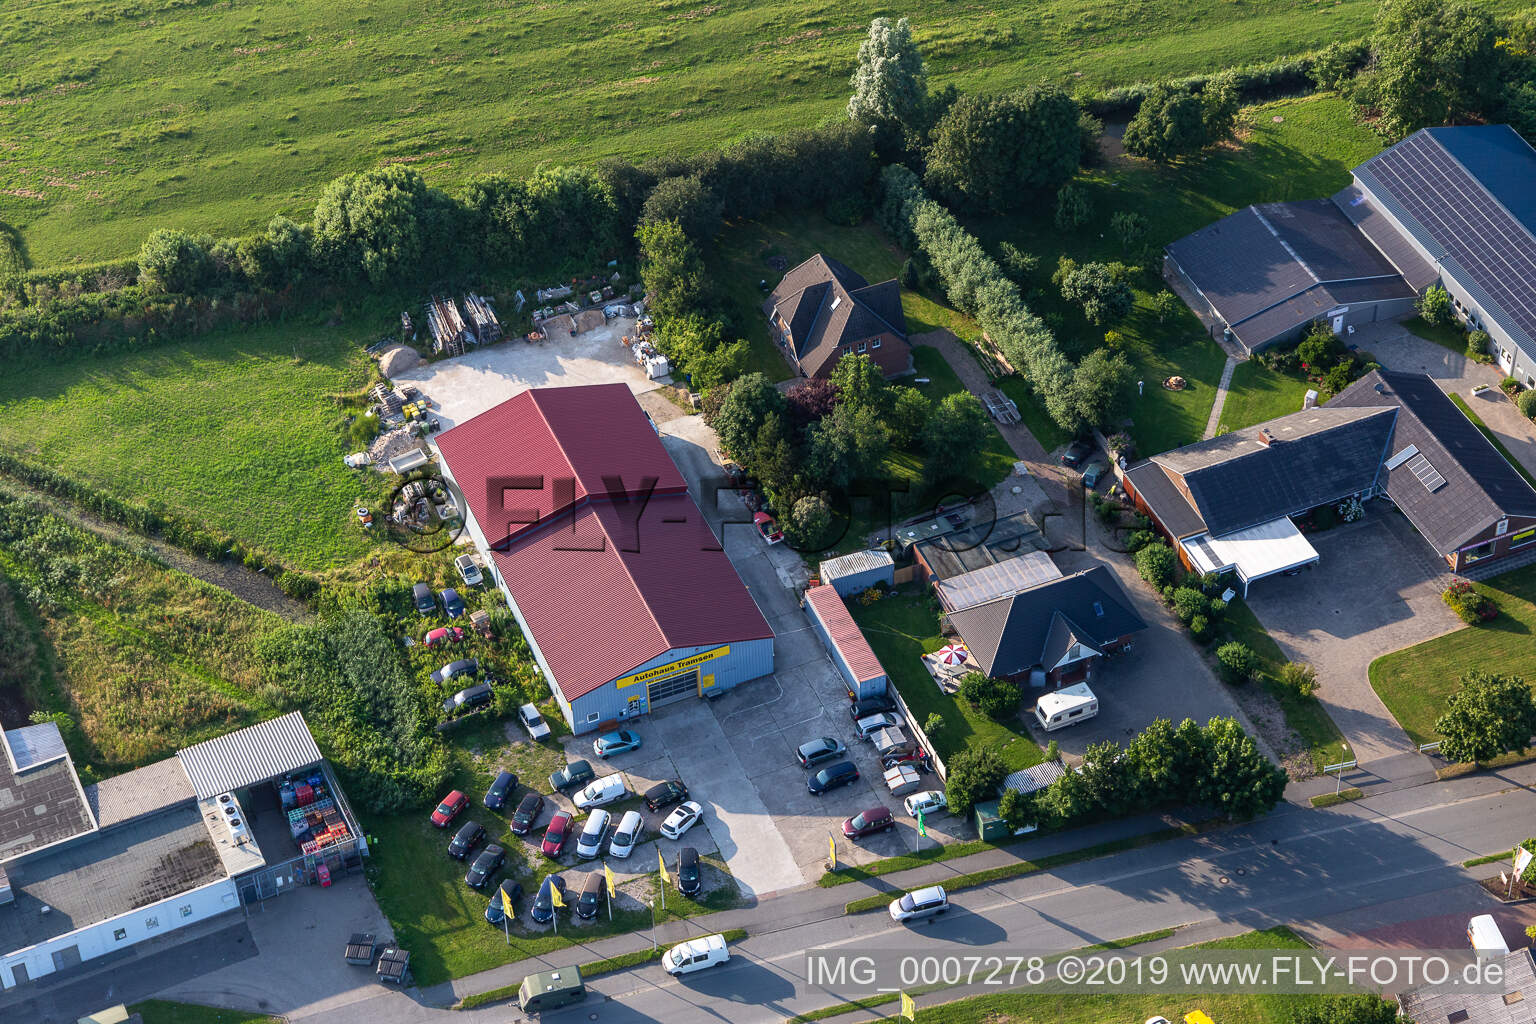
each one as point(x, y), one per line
point(1522, 860)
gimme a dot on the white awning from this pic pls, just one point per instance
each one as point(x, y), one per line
point(1259, 551)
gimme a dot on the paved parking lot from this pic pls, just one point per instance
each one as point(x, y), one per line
point(467, 385)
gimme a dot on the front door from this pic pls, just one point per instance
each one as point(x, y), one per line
point(1338, 324)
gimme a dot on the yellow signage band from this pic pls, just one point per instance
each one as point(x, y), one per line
point(668, 669)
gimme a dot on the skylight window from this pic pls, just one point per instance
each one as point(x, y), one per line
point(836, 301)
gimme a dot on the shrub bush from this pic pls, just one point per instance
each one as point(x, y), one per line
point(1200, 628)
point(1469, 604)
point(1189, 603)
point(1238, 662)
point(1216, 609)
point(1140, 539)
point(995, 698)
point(1477, 346)
point(1299, 678)
point(1157, 563)
point(1526, 403)
point(1435, 306)
point(1510, 386)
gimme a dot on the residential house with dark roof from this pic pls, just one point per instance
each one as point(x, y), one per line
point(621, 588)
point(1055, 633)
point(1451, 206)
point(822, 311)
point(1228, 504)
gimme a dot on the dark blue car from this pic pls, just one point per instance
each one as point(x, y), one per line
point(833, 776)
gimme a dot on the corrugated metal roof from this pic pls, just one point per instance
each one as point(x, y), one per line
point(993, 581)
point(845, 634)
point(240, 758)
point(1035, 777)
point(852, 565)
point(605, 581)
point(33, 746)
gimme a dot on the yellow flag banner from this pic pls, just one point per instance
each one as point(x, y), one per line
point(1197, 1017)
point(832, 845)
point(908, 1007)
point(662, 864)
point(506, 904)
point(608, 874)
point(554, 896)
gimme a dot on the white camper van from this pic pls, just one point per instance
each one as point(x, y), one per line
point(1067, 706)
point(1484, 935)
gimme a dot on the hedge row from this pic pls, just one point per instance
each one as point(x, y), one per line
point(975, 284)
point(214, 545)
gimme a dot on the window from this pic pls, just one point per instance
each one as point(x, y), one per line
point(1522, 538)
point(186, 910)
point(861, 346)
point(876, 344)
point(151, 922)
point(1502, 528)
point(1476, 553)
point(119, 934)
point(593, 716)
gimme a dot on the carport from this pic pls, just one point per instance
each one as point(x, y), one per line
point(1264, 550)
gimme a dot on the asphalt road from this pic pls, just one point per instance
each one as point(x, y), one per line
point(1296, 866)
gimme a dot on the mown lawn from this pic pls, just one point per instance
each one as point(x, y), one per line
point(235, 428)
point(1258, 394)
point(214, 117)
point(1452, 336)
point(901, 630)
point(1307, 154)
point(441, 920)
point(160, 1011)
point(1029, 1008)
point(1414, 683)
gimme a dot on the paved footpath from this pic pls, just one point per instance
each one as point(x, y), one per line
point(1214, 423)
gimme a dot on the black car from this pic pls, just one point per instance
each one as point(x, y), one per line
point(833, 776)
point(577, 773)
point(454, 669)
point(543, 909)
point(866, 706)
point(496, 796)
point(495, 912)
point(476, 696)
point(1076, 452)
point(466, 839)
point(487, 864)
point(591, 899)
point(664, 793)
point(688, 871)
point(453, 604)
point(426, 604)
point(527, 814)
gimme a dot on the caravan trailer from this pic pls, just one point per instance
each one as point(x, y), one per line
point(1067, 706)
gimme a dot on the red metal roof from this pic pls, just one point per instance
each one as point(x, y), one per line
point(609, 583)
point(844, 632)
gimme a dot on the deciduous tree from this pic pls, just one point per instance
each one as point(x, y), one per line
point(890, 82)
point(991, 152)
point(1490, 715)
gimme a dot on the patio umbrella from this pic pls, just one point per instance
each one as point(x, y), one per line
point(952, 654)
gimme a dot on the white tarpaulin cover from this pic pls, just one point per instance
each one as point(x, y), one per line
point(1256, 552)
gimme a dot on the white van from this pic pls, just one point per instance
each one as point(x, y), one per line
point(1067, 706)
point(1484, 935)
point(696, 955)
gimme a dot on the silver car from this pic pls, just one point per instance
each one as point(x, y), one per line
point(871, 724)
point(920, 903)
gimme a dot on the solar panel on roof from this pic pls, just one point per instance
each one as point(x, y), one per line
point(1403, 456)
point(1428, 476)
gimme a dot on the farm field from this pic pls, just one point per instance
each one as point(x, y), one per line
point(118, 117)
point(1290, 149)
point(234, 428)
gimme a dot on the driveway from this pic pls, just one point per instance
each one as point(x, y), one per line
point(1376, 589)
point(467, 385)
point(1398, 348)
point(1163, 675)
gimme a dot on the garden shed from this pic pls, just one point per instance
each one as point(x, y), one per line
point(850, 652)
point(856, 573)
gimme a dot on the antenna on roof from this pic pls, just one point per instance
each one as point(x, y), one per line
point(1381, 389)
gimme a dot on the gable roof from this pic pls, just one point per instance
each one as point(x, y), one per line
point(828, 306)
point(1169, 504)
point(1480, 486)
point(1464, 194)
point(607, 572)
point(1314, 456)
point(844, 633)
point(1269, 268)
point(1014, 634)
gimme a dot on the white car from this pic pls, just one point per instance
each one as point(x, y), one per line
point(630, 831)
point(533, 722)
point(601, 791)
point(871, 724)
point(591, 842)
point(696, 954)
point(920, 903)
point(469, 572)
point(929, 802)
point(683, 818)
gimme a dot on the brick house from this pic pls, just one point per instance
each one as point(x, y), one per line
point(822, 311)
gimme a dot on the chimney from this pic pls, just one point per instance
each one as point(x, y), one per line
point(1266, 438)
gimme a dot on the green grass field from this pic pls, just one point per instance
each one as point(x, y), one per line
point(119, 117)
point(159, 1011)
point(1305, 155)
point(1414, 683)
point(234, 428)
point(901, 630)
point(1258, 393)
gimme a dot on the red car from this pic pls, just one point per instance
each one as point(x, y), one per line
point(767, 527)
point(444, 635)
point(449, 809)
point(876, 819)
point(556, 834)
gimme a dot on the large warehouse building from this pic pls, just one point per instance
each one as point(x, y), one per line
point(1452, 206)
point(622, 590)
